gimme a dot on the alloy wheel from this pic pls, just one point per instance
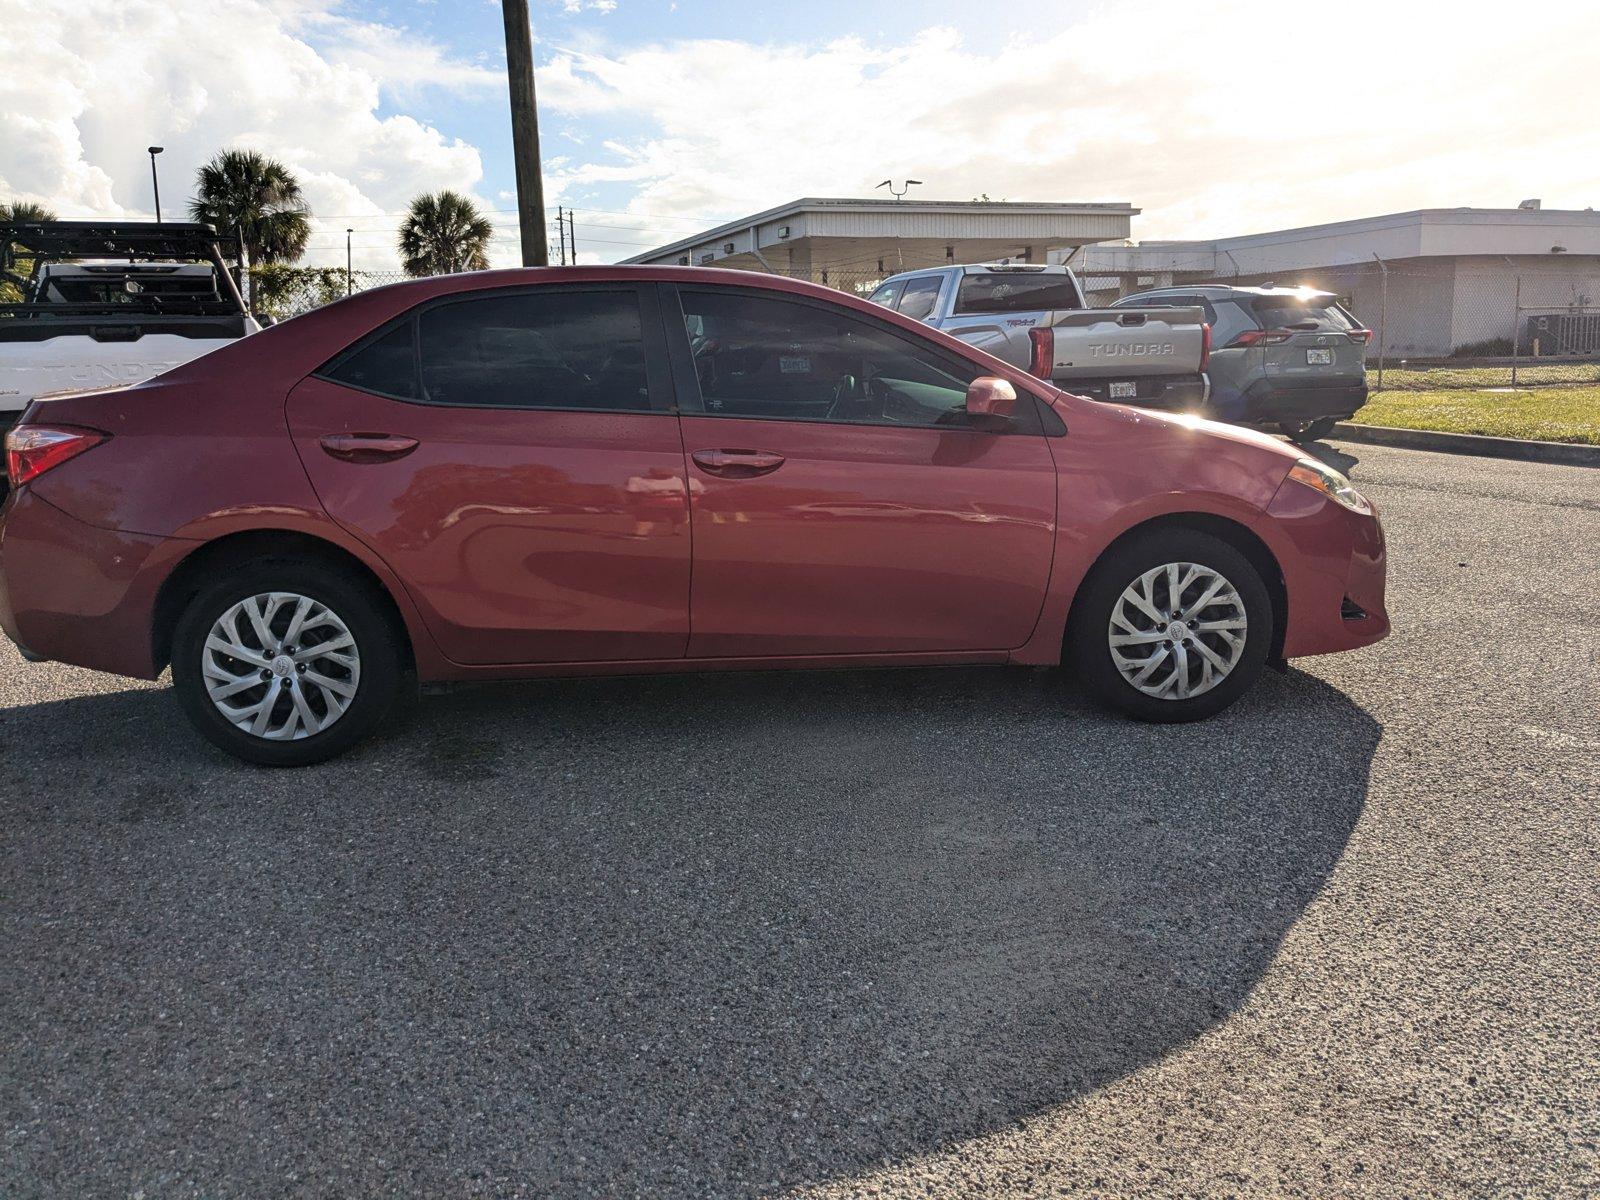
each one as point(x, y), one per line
point(1177, 631)
point(281, 666)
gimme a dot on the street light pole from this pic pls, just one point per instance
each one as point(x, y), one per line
point(155, 184)
point(525, 133)
point(348, 277)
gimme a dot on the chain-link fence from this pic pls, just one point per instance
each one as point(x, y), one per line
point(1474, 325)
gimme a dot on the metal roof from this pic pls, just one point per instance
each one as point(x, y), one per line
point(839, 220)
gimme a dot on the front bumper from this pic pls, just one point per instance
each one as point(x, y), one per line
point(1334, 572)
point(74, 593)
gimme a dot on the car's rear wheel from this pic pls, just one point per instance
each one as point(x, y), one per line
point(285, 663)
point(1308, 431)
point(1172, 626)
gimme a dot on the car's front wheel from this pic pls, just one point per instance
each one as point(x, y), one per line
point(285, 663)
point(1171, 626)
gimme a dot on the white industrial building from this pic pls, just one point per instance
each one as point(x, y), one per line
point(1443, 277)
point(844, 242)
point(1429, 282)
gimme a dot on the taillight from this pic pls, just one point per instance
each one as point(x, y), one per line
point(1260, 337)
point(1044, 352)
point(1205, 344)
point(31, 450)
point(1363, 336)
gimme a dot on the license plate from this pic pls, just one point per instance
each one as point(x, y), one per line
point(1319, 358)
point(1124, 391)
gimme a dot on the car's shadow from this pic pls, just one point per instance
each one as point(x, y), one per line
point(1340, 460)
point(696, 935)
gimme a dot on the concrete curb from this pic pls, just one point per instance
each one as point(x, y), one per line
point(1569, 454)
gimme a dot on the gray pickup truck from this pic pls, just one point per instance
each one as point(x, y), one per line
point(1033, 317)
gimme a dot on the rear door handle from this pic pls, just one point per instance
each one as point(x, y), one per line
point(368, 447)
point(737, 464)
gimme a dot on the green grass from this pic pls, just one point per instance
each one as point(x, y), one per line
point(1552, 414)
point(1412, 378)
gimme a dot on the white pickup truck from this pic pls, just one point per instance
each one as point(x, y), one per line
point(104, 305)
point(1033, 317)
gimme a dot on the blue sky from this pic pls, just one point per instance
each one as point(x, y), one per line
point(658, 119)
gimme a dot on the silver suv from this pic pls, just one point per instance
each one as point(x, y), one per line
point(1294, 358)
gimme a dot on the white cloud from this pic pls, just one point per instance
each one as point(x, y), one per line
point(1215, 119)
point(90, 83)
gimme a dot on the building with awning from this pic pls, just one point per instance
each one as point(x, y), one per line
point(846, 243)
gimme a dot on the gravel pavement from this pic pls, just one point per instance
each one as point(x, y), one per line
point(908, 933)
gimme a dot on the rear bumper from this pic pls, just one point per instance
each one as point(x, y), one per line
point(1266, 402)
point(1334, 576)
point(1171, 393)
point(74, 593)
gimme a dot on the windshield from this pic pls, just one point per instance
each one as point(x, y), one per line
point(1019, 291)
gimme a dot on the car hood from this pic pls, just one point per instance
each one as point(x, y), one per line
point(1150, 453)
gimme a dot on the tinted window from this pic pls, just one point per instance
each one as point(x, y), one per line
point(887, 294)
point(387, 365)
point(761, 357)
point(1199, 302)
point(546, 349)
point(1016, 291)
point(920, 296)
point(1285, 312)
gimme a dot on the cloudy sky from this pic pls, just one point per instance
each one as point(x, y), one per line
point(662, 117)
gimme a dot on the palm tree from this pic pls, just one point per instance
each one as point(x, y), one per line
point(259, 198)
point(444, 233)
point(20, 212)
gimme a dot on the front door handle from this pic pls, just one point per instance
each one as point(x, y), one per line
point(368, 447)
point(737, 464)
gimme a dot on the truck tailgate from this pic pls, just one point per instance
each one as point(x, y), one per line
point(1096, 344)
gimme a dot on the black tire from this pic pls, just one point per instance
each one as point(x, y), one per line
point(1089, 652)
point(1308, 431)
point(364, 614)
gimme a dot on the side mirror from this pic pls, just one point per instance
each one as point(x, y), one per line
point(992, 401)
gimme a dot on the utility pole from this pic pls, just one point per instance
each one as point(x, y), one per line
point(561, 232)
point(525, 133)
point(155, 184)
point(349, 279)
point(572, 229)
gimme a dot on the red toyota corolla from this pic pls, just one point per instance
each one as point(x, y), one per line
point(611, 470)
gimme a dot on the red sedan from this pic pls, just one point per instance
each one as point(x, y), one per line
point(612, 470)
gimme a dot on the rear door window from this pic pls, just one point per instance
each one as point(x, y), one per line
point(553, 348)
point(920, 296)
point(1016, 291)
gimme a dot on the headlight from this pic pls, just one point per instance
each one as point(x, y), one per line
point(1330, 483)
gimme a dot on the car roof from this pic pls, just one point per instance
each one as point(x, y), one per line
point(1002, 267)
point(301, 344)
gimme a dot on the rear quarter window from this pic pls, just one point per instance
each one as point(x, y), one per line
point(387, 364)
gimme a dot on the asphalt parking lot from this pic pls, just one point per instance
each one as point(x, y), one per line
point(911, 933)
